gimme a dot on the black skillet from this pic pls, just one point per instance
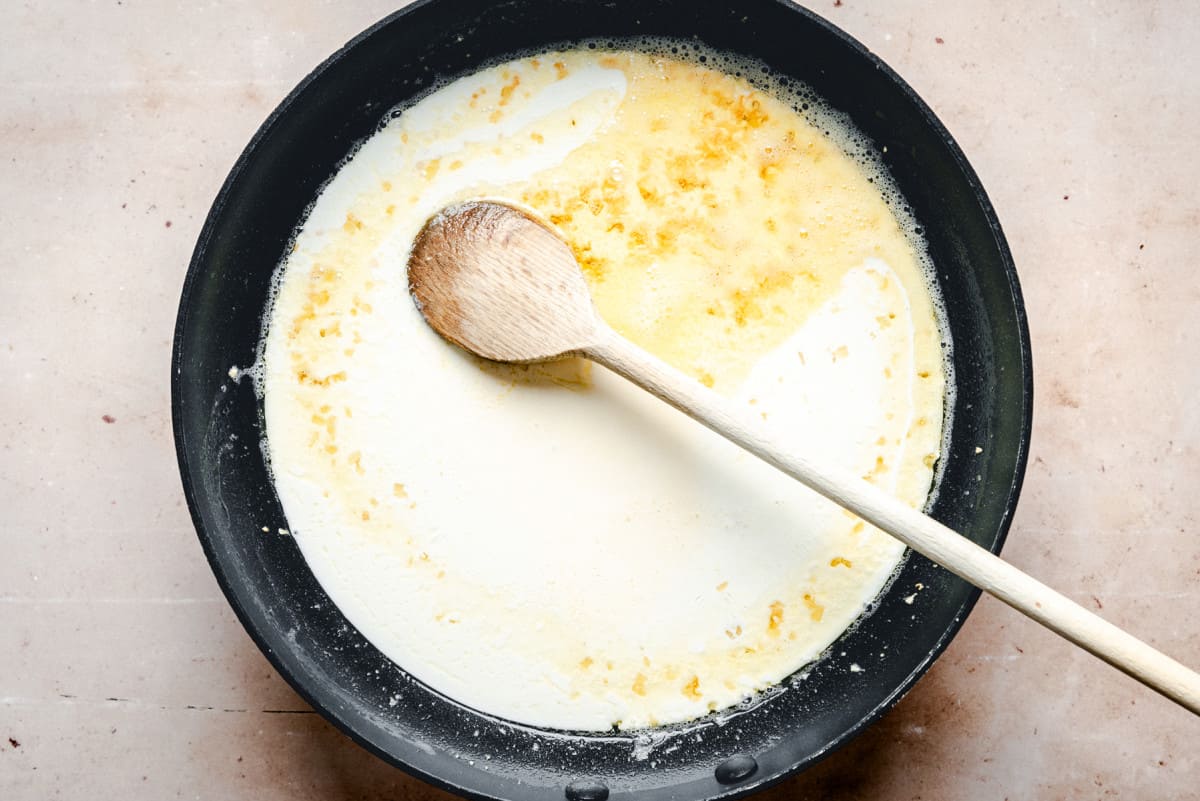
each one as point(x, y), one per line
point(218, 421)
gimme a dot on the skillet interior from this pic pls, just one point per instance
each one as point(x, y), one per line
point(218, 421)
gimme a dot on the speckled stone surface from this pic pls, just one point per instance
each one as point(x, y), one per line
point(124, 674)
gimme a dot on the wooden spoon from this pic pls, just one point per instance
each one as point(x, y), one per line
point(503, 285)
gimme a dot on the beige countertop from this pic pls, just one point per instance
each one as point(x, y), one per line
point(123, 672)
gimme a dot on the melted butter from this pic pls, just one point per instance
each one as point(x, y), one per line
point(545, 542)
point(711, 217)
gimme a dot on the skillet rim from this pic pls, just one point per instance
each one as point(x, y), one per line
point(254, 624)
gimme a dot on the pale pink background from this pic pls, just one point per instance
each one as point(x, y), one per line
point(118, 655)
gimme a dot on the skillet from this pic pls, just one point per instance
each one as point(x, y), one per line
point(218, 419)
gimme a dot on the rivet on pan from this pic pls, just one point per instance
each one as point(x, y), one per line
point(736, 768)
point(587, 791)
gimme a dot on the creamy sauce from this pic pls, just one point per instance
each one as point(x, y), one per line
point(550, 544)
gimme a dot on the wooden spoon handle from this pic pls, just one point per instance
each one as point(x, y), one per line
point(921, 533)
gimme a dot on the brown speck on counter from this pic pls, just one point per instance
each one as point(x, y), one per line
point(939, 40)
point(1063, 396)
point(13, 742)
point(1066, 197)
point(108, 418)
point(167, 224)
point(1098, 604)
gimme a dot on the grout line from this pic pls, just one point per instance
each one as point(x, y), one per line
point(18, 600)
point(65, 699)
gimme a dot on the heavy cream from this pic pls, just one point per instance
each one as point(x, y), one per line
point(548, 543)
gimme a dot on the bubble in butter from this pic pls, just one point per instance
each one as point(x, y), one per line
point(549, 544)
